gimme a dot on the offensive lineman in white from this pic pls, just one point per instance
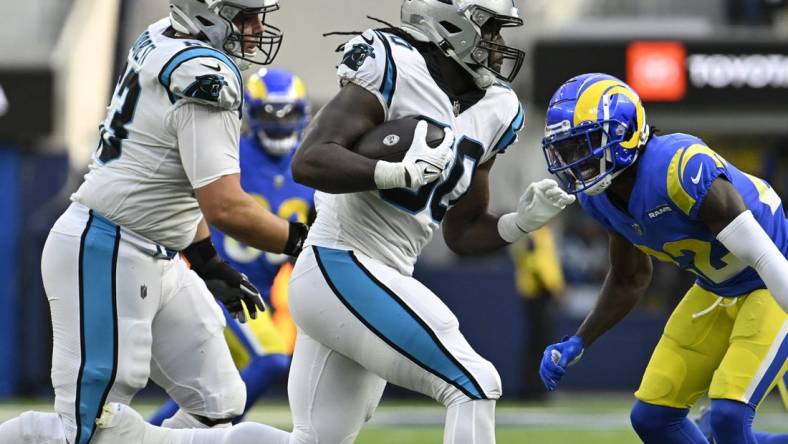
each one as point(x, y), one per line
point(363, 320)
point(124, 303)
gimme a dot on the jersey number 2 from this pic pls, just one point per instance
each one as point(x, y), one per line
point(128, 93)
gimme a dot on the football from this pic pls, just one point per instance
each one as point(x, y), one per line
point(391, 140)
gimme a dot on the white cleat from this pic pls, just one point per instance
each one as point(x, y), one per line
point(120, 423)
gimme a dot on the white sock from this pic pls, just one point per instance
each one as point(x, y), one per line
point(10, 432)
point(254, 433)
point(471, 422)
point(33, 428)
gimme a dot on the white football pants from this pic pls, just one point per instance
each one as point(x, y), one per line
point(361, 324)
point(124, 310)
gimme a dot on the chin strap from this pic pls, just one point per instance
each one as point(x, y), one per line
point(606, 181)
point(481, 77)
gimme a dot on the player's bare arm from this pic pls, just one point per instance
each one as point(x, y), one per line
point(208, 137)
point(325, 160)
point(627, 279)
point(208, 140)
point(469, 229)
point(721, 206)
point(229, 208)
point(726, 215)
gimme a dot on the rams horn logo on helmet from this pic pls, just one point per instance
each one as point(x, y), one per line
point(354, 58)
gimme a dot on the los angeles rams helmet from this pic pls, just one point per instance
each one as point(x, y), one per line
point(462, 30)
point(595, 128)
point(213, 20)
point(277, 109)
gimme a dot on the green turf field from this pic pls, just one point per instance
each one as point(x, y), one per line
point(567, 419)
point(504, 436)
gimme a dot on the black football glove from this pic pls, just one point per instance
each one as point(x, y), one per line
point(227, 285)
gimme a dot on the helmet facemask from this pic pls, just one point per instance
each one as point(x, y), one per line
point(264, 44)
point(491, 52)
point(582, 158)
point(220, 23)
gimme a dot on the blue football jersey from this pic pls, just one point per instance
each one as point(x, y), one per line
point(674, 173)
point(271, 183)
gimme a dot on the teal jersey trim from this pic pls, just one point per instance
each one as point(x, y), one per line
point(183, 56)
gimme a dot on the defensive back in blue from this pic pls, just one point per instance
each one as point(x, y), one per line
point(674, 173)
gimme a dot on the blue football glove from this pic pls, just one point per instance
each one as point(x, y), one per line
point(557, 358)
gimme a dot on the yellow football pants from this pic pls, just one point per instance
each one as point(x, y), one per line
point(733, 348)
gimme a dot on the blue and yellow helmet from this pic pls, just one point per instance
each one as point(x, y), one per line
point(277, 110)
point(594, 130)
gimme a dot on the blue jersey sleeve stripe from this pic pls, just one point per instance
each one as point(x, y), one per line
point(165, 76)
point(389, 84)
point(510, 135)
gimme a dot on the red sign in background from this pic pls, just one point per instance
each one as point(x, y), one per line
point(657, 70)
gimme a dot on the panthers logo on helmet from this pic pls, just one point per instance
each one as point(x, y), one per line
point(207, 87)
point(357, 55)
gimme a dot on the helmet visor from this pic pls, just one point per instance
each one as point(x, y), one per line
point(576, 159)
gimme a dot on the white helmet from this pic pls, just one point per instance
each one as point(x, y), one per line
point(212, 20)
point(468, 32)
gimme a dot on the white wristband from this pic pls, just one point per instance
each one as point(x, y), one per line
point(389, 175)
point(508, 228)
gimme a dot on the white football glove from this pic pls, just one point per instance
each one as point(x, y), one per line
point(422, 164)
point(541, 202)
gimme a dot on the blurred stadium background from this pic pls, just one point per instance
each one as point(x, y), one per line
point(717, 68)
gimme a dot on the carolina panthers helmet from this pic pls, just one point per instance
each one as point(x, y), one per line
point(468, 31)
point(595, 128)
point(277, 110)
point(213, 21)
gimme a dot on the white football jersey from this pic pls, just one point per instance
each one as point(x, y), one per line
point(141, 177)
point(393, 226)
